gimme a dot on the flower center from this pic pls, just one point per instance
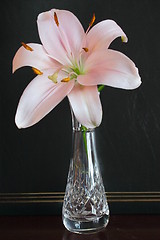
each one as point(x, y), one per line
point(76, 70)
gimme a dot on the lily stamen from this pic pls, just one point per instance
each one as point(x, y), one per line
point(63, 36)
point(27, 47)
point(73, 75)
point(56, 19)
point(37, 71)
point(85, 49)
point(91, 22)
point(67, 79)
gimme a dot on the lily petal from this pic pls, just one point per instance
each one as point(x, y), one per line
point(37, 58)
point(38, 99)
point(58, 40)
point(70, 25)
point(103, 33)
point(86, 105)
point(110, 68)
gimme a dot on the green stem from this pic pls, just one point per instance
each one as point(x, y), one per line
point(84, 129)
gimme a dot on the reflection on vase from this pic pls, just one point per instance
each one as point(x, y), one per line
point(85, 208)
point(96, 236)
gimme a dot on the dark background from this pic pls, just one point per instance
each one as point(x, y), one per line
point(37, 159)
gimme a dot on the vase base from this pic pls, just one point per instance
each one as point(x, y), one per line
point(86, 227)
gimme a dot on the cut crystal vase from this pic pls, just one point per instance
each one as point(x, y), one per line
point(85, 207)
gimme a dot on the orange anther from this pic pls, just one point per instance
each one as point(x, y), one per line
point(85, 49)
point(56, 19)
point(92, 20)
point(67, 79)
point(27, 47)
point(37, 71)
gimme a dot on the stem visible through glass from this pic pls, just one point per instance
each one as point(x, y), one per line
point(84, 129)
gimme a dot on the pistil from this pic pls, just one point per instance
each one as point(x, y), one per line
point(53, 77)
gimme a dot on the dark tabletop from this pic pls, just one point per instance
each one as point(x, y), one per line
point(121, 227)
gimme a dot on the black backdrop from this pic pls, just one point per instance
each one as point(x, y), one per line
point(34, 162)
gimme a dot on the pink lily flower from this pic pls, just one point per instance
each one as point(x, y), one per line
point(71, 62)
